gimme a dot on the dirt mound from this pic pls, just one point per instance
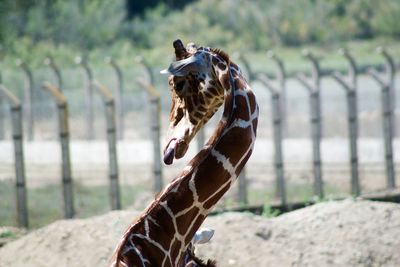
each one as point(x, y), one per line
point(69, 243)
point(8, 234)
point(345, 233)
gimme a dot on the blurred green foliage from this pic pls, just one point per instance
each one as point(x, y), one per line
point(33, 28)
point(83, 24)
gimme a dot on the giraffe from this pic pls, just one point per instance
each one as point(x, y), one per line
point(201, 80)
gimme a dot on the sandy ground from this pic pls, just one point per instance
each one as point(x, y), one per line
point(345, 233)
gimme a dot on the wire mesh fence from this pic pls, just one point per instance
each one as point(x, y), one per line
point(89, 158)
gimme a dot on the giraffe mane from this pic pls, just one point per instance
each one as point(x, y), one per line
point(222, 54)
point(200, 262)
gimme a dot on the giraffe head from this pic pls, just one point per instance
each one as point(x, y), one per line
point(198, 81)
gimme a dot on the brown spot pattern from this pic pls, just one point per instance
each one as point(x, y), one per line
point(183, 222)
point(225, 81)
point(240, 84)
point(176, 245)
point(230, 143)
point(241, 108)
point(212, 201)
point(206, 186)
point(252, 101)
point(175, 199)
point(196, 226)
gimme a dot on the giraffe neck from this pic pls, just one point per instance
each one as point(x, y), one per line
point(169, 223)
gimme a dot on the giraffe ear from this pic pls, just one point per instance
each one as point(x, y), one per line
point(192, 64)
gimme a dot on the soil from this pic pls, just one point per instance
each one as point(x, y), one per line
point(336, 233)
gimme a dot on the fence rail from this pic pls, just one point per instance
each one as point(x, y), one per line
point(278, 89)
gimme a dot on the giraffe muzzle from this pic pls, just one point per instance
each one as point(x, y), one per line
point(169, 152)
point(175, 149)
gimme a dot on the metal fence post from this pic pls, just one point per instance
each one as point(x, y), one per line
point(2, 115)
point(277, 126)
point(242, 190)
point(316, 129)
point(112, 144)
point(28, 97)
point(89, 97)
point(155, 113)
point(65, 152)
point(251, 75)
point(15, 105)
point(155, 129)
point(391, 70)
point(149, 73)
point(49, 61)
point(350, 86)
point(281, 77)
point(387, 114)
point(119, 96)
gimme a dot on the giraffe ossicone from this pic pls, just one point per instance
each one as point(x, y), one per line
point(201, 80)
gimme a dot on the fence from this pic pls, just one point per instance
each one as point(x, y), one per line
point(38, 114)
